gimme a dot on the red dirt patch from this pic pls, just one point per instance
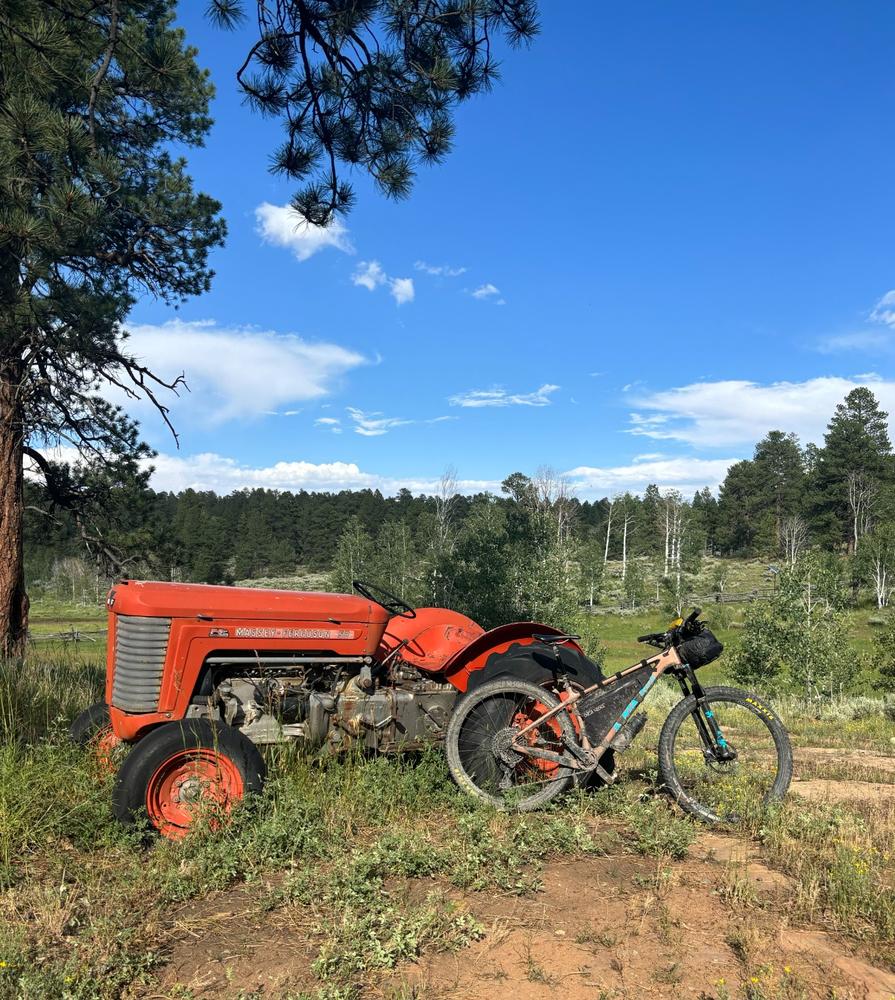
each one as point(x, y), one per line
point(869, 981)
point(226, 943)
point(820, 789)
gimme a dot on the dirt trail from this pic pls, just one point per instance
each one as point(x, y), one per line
point(820, 946)
point(867, 775)
point(617, 927)
point(611, 928)
point(844, 791)
point(863, 759)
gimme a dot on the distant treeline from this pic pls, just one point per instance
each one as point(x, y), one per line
point(786, 499)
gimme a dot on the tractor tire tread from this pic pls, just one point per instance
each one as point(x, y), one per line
point(90, 722)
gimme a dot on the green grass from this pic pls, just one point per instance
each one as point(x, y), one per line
point(618, 632)
point(383, 854)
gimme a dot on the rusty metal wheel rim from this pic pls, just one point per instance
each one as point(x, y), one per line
point(191, 783)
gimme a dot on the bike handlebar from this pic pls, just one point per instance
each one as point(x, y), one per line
point(650, 636)
point(688, 622)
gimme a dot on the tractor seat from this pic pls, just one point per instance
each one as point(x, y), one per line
point(552, 640)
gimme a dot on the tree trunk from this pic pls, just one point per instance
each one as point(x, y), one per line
point(608, 530)
point(13, 599)
point(625, 548)
point(665, 568)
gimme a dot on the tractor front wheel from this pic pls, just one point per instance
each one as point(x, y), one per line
point(92, 730)
point(184, 772)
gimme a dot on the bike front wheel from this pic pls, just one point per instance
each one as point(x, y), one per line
point(480, 739)
point(725, 761)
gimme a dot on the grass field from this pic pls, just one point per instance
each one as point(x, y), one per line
point(360, 877)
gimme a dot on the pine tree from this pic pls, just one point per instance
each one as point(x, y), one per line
point(780, 479)
point(856, 450)
point(705, 517)
point(93, 209)
point(369, 84)
point(354, 556)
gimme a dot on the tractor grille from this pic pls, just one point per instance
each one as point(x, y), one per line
point(140, 648)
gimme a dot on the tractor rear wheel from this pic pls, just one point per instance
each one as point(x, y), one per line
point(92, 730)
point(185, 772)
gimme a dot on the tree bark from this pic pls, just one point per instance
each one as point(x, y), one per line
point(13, 599)
point(625, 547)
point(608, 530)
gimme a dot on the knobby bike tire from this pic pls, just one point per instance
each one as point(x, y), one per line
point(684, 709)
point(503, 687)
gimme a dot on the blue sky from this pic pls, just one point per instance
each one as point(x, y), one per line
point(668, 230)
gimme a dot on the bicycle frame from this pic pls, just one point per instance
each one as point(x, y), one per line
point(586, 756)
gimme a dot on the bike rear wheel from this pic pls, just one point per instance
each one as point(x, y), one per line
point(731, 779)
point(479, 739)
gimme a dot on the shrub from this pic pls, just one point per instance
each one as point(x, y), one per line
point(798, 639)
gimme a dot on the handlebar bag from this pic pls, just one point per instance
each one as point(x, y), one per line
point(700, 649)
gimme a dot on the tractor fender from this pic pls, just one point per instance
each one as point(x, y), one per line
point(514, 649)
point(429, 639)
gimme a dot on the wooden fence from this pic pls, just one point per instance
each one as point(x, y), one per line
point(693, 601)
point(70, 635)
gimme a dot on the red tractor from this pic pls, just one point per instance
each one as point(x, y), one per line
point(199, 677)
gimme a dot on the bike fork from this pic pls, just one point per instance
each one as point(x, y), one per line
point(713, 741)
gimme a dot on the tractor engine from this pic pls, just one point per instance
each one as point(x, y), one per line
point(330, 706)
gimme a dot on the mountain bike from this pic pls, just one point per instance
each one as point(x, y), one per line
point(722, 751)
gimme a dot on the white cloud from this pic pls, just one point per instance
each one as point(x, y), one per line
point(489, 293)
point(884, 310)
point(858, 340)
point(684, 473)
point(439, 270)
point(869, 339)
point(210, 471)
point(500, 397)
point(332, 424)
point(235, 372)
point(374, 424)
point(737, 412)
point(401, 290)
point(282, 226)
point(370, 275)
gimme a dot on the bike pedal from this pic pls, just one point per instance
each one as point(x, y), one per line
point(625, 736)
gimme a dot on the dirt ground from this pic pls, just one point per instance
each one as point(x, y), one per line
point(711, 926)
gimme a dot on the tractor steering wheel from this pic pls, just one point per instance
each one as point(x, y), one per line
point(393, 605)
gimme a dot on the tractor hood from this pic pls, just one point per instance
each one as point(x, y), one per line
point(191, 600)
